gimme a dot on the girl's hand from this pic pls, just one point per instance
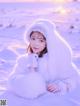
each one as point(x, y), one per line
point(53, 88)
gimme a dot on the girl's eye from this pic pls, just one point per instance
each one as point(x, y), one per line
point(41, 40)
point(32, 38)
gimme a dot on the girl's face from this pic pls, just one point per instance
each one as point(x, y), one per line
point(37, 42)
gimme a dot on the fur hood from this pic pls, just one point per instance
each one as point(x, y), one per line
point(59, 52)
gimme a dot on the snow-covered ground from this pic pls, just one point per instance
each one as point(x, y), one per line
point(14, 18)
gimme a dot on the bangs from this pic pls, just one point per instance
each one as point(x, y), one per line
point(43, 37)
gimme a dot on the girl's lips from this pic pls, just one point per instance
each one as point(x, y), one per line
point(35, 48)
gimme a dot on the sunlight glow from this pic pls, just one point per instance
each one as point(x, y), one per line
point(59, 1)
point(53, 1)
point(61, 10)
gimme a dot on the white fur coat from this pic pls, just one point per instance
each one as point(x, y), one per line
point(55, 67)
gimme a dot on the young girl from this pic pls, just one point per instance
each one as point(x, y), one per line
point(47, 66)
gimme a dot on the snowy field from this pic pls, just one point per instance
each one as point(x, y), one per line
point(14, 18)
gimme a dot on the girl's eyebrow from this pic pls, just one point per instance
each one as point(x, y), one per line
point(40, 38)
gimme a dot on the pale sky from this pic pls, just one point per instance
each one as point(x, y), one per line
point(57, 1)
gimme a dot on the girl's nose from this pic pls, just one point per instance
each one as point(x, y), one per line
point(36, 43)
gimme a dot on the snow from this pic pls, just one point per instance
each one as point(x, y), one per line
point(45, 100)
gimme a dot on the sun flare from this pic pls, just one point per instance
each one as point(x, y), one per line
point(53, 1)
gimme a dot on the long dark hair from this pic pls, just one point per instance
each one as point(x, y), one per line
point(44, 51)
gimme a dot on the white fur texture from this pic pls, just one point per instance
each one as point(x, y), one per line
point(30, 86)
